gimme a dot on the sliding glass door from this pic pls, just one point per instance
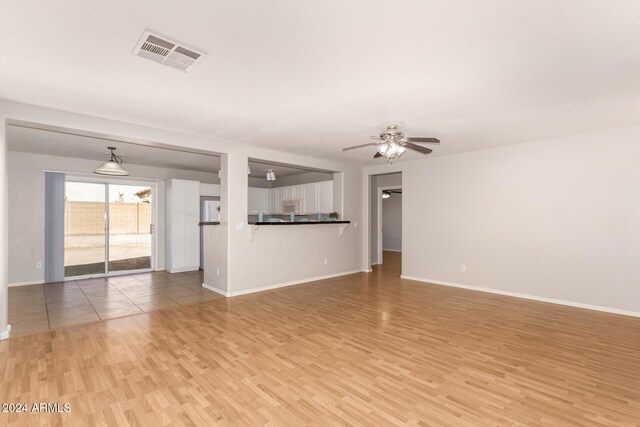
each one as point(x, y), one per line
point(108, 228)
point(84, 229)
point(130, 227)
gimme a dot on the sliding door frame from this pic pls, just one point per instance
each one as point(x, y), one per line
point(92, 179)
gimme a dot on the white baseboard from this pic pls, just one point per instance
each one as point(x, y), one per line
point(280, 285)
point(294, 282)
point(183, 270)
point(216, 290)
point(33, 282)
point(527, 296)
point(367, 270)
point(5, 334)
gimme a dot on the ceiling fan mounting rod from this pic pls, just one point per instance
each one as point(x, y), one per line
point(392, 132)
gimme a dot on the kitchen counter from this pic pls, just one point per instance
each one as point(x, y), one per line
point(298, 222)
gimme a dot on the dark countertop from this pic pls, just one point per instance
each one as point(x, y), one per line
point(299, 223)
point(210, 223)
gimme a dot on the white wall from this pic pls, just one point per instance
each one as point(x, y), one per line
point(5, 328)
point(281, 254)
point(216, 258)
point(287, 253)
point(392, 222)
point(377, 181)
point(302, 178)
point(26, 206)
point(234, 188)
point(234, 185)
point(557, 219)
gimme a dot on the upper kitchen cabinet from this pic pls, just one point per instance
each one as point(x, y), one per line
point(209, 190)
point(325, 196)
point(314, 197)
point(258, 200)
point(310, 201)
point(275, 201)
point(286, 192)
point(279, 189)
point(298, 192)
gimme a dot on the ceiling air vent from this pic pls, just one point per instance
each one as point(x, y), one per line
point(167, 52)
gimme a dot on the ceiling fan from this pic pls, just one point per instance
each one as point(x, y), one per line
point(391, 143)
point(387, 193)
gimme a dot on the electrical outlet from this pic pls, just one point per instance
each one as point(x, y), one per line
point(355, 225)
point(326, 261)
point(240, 226)
point(38, 264)
point(463, 268)
point(217, 271)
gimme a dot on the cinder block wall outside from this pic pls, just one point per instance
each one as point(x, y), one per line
point(87, 218)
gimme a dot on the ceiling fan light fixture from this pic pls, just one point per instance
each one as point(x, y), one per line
point(391, 143)
point(391, 150)
point(112, 166)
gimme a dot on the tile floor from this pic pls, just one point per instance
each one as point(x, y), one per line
point(38, 308)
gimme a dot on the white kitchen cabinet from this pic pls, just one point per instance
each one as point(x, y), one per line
point(325, 196)
point(298, 192)
point(310, 200)
point(209, 190)
point(287, 193)
point(282, 194)
point(315, 197)
point(182, 212)
point(275, 202)
point(258, 200)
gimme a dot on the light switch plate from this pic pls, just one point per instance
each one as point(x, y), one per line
point(240, 226)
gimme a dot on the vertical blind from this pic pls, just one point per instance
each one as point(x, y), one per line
point(54, 227)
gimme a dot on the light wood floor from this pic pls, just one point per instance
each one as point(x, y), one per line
point(364, 349)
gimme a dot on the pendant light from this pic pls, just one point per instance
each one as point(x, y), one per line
point(113, 166)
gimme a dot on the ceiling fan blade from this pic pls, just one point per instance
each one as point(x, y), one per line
point(424, 140)
point(359, 146)
point(375, 156)
point(423, 150)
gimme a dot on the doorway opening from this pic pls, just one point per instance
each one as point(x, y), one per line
point(386, 220)
point(108, 227)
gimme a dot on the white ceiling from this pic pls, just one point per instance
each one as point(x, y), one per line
point(39, 141)
point(259, 170)
point(314, 77)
